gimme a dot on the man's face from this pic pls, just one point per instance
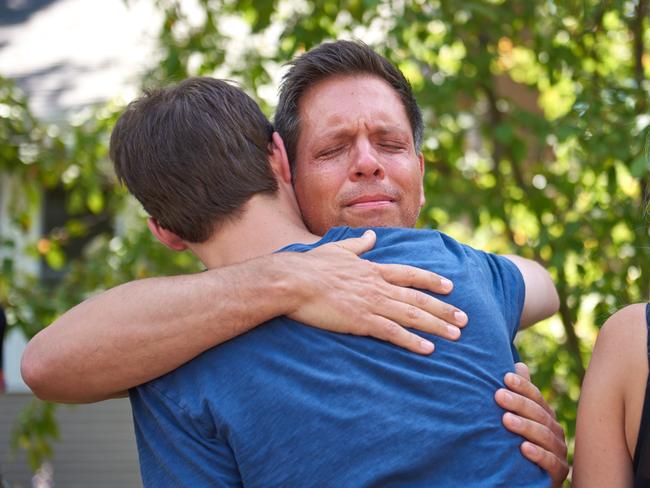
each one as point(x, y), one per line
point(356, 163)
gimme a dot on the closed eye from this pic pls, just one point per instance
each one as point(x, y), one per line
point(392, 147)
point(330, 152)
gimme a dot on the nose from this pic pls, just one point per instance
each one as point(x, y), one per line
point(365, 162)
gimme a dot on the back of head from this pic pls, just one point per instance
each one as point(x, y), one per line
point(340, 58)
point(193, 154)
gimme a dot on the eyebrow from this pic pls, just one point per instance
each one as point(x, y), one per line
point(381, 129)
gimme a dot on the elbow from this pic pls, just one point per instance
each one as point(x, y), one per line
point(44, 373)
point(31, 371)
point(35, 371)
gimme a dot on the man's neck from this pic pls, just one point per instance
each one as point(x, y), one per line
point(266, 225)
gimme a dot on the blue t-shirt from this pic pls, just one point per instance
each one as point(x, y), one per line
point(286, 405)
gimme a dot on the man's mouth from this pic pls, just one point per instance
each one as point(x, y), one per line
point(370, 201)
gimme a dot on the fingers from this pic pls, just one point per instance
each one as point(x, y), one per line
point(387, 330)
point(532, 422)
point(432, 306)
point(359, 245)
point(523, 386)
point(408, 276)
point(523, 407)
point(536, 433)
point(531, 417)
point(557, 468)
point(530, 410)
point(404, 275)
point(416, 309)
point(417, 316)
point(522, 370)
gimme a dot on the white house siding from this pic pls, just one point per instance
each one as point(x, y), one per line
point(96, 448)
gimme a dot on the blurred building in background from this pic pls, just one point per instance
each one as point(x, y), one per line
point(67, 55)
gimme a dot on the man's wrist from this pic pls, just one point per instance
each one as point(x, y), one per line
point(265, 286)
point(285, 287)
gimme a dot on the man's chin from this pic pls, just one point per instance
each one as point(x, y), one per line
point(376, 217)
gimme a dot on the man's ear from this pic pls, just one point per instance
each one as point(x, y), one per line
point(279, 160)
point(422, 198)
point(167, 237)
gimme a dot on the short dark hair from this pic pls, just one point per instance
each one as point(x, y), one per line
point(193, 154)
point(333, 59)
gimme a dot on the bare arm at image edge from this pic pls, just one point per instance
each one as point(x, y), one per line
point(611, 402)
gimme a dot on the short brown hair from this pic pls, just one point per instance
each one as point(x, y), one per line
point(333, 59)
point(193, 154)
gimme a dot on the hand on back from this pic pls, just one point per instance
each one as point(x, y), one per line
point(343, 293)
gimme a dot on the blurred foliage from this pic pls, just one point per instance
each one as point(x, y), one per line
point(38, 427)
point(536, 116)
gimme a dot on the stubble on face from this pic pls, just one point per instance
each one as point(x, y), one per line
point(356, 163)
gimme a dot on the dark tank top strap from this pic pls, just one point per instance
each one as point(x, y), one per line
point(642, 452)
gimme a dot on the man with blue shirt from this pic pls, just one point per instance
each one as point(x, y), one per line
point(295, 406)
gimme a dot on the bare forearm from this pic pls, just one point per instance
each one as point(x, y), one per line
point(143, 329)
